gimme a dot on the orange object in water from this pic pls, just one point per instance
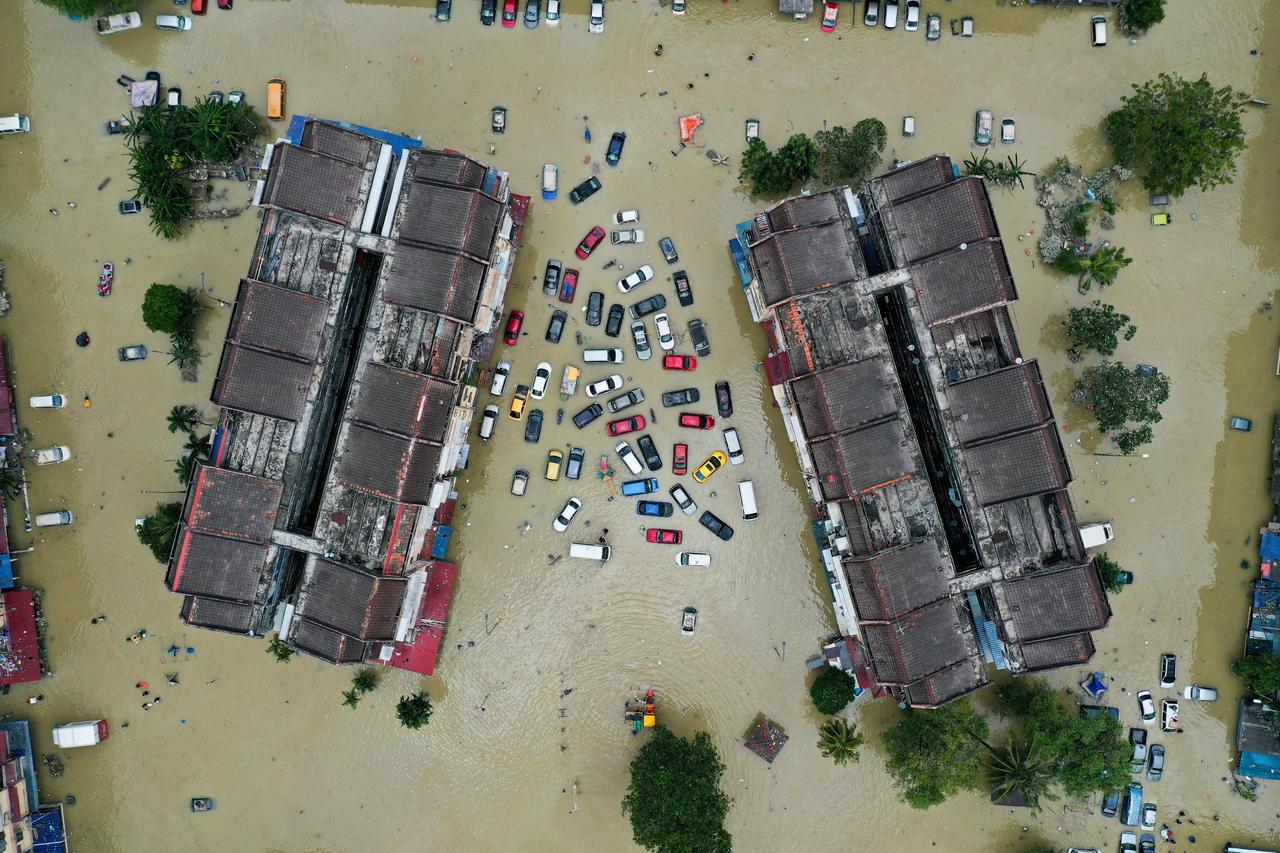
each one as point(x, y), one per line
point(650, 716)
point(688, 124)
point(142, 685)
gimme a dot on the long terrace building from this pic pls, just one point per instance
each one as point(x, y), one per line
point(927, 442)
point(379, 270)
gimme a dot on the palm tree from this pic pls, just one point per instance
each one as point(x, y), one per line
point(11, 479)
point(350, 698)
point(1021, 769)
point(839, 741)
point(159, 529)
point(414, 711)
point(1102, 267)
point(365, 681)
point(278, 647)
point(185, 419)
point(198, 445)
point(186, 467)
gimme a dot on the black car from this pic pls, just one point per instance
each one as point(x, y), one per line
point(645, 307)
point(574, 469)
point(713, 523)
point(724, 400)
point(555, 328)
point(614, 154)
point(585, 190)
point(698, 332)
point(444, 9)
point(613, 327)
point(668, 250)
point(551, 278)
point(533, 427)
point(587, 415)
point(683, 397)
point(1110, 804)
point(683, 291)
point(488, 12)
point(650, 452)
point(595, 305)
point(631, 398)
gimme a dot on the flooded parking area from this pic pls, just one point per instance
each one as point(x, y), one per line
point(527, 748)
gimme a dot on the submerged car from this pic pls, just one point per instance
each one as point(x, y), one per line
point(133, 352)
point(630, 282)
point(569, 286)
point(512, 333)
point(709, 466)
point(641, 339)
point(649, 451)
point(679, 362)
point(679, 458)
point(500, 374)
point(589, 243)
point(684, 293)
point(595, 306)
point(573, 470)
point(645, 307)
point(724, 399)
point(613, 326)
point(623, 426)
point(630, 235)
point(623, 401)
point(656, 509)
point(698, 332)
point(682, 397)
point(614, 152)
point(1155, 763)
point(585, 190)
point(551, 278)
point(612, 382)
point(662, 536)
point(1168, 670)
point(666, 340)
point(566, 516)
point(555, 326)
point(533, 427)
point(716, 525)
point(682, 499)
point(668, 250)
point(1199, 694)
point(587, 415)
point(541, 376)
point(1146, 706)
point(696, 421)
point(1169, 715)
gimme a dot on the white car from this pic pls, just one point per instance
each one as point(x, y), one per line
point(561, 524)
point(179, 23)
point(872, 17)
point(1169, 715)
point(1146, 706)
point(734, 446)
point(622, 217)
point(628, 457)
point(612, 382)
point(541, 376)
point(553, 12)
point(641, 338)
point(1148, 818)
point(677, 7)
point(637, 278)
point(1197, 693)
point(666, 340)
point(500, 374)
point(913, 16)
point(595, 23)
point(631, 235)
point(48, 401)
point(53, 455)
point(682, 499)
point(693, 558)
point(890, 14)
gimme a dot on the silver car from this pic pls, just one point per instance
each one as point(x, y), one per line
point(641, 337)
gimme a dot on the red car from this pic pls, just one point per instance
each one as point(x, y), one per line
point(679, 362)
point(509, 14)
point(626, 425)
point(663, 536)
point(199, 7)
point(568, 285)
point(689, 419)
point(829, 18)
point(224, 4)
point(680, 459)
point(589, 243)
point(512, 334)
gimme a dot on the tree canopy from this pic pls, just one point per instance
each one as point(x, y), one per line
point(934, 754)
point(89, 8)
point(1138, 16)
point(159, 528)
point(1109, 570)
point(1124, 401)
point(1097, 326)
point(832, 690)
point(169, 309)
point(776, 172)
point(1183, 133)
point(674, 799)
point(849, 156)
point(414, 710)
point(840, 741)
point(1260, 673)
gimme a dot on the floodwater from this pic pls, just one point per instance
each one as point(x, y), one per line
point(512, 759)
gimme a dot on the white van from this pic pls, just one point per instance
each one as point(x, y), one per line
point(747, 494)
point(487, 422)
point(590, 552)
point(48, 401)
point(16, 123)
point(1099, 31)
point(603, 356)
point(55, 519)
point(1097, 535)
point(731, 444)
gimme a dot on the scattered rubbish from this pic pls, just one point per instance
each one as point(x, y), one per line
point(102, 185)
point(657, 51)
point(689, 124)
point(82, 339)
point(173, 680)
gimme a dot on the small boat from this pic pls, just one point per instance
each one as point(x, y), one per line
point(982, 121)
point(689, 124)
point(689, 621)
point(104, 279)
point(753, 129)
point(550, 181)
point(1161, 219)
point(908, 125)
point(202, 804)
point(933, 26)
point(498, 120)
point(651, 715)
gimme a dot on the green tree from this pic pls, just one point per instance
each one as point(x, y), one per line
point(12, 477)
point(279, 649)
point(158, 530)
point(365, 681)
point(1260, 673)
point(849, 156)
point(1102, 267)
point(185, 467)
point(89, 8)
point(1183, 133)
point(351, 698)
point(776, 172)
point(674, 799)
point(932, 754)
point(1096, 326)
point(1109, 570)
point(839, 741)
point(1021, 768)
point(169, 309)
point(1124, 401)
point(832, 690)
point(198, 445)
point(1088, 754)
point(414, 711)
point(1138, 16)
point(185, 419)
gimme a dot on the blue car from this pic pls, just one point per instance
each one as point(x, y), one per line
point(614, 152)
point(635, 488)
point(1131, 811)
point(657, 509)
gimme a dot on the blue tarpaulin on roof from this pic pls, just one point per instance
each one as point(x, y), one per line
point(6, 571)
point(1270, 549)
point(441, 544)
point(1259, 765)
point(47, 831)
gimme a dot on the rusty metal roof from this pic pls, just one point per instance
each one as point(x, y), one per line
point(1054, 602)
point(921, 643)
point(386, 465)
point(340, 142)
point(443, 167)
point(947, 684)
point(806, 260)
point(803, 210)
point(326, 643)
point(851, 462)
point(845, 397)
point(463, 220)
point(233, 505)
point(357, 603)
point(915, 177)
point(233, 616)
point(405, 403)
point(215, 567)
point(893, 583)
point(1071, 650)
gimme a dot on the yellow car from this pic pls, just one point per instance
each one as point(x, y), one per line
point(517, 402)
point(709, 466)
point(554, 458)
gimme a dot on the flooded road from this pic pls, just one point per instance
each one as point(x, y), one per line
point(526, 749)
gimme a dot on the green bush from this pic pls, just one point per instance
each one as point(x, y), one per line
point(170, 310)
point(832, 690)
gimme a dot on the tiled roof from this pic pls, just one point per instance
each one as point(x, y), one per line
point(438, 281)
point(853, 461)
point(806, 260)
point(313, 184)
point(893, 583)
point(388, 466)
point(348, 145)
point(962, 281)
point(407, 404)
point(211, 566)
point(940, 220)
point(325, 643)
point(459, 219)
point(262, 383)
point(845, 397)
point(1015, 466)
point(443, 167)
point(804, 210)
point(233, 505)
point(233, 616)
point(915, 177)
point(947, 684)
point(1071, 650)
point(1006, 401)
point(918, 644)
point(273, 318)
point(1054, 602)
point(363, 605)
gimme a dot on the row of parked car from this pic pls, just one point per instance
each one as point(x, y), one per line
point(533, 13)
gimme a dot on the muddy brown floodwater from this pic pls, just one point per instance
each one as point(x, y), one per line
point(513, 760)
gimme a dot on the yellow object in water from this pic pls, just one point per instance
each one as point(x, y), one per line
point(87, 401)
